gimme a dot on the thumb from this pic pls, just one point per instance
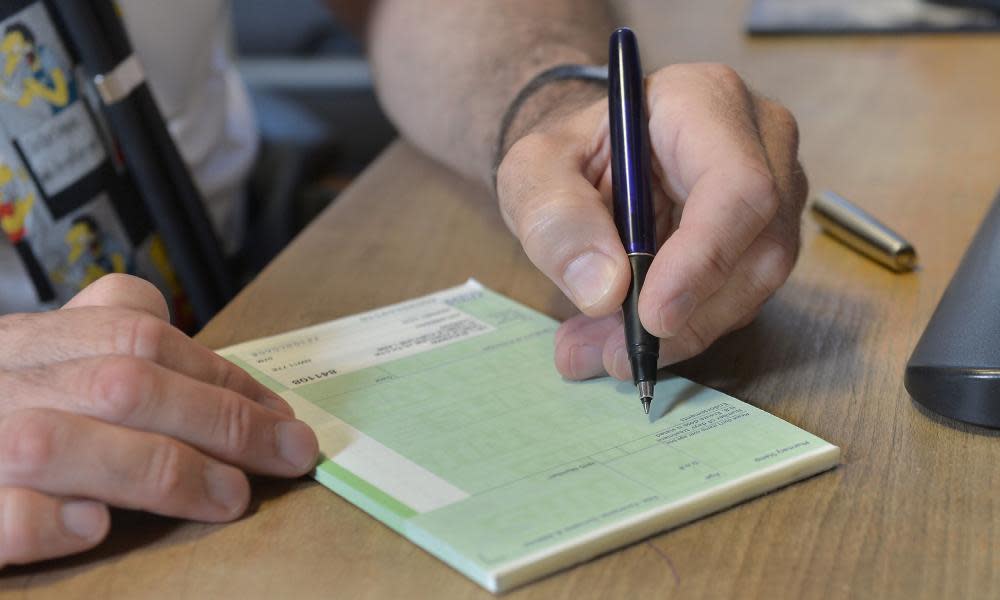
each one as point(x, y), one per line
point(563, 223)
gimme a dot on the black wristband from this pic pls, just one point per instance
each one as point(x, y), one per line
point(563, 72)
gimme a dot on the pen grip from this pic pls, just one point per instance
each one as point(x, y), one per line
point(643, 347)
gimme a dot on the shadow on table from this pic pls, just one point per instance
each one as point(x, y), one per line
point(953, 424)
point(806, 337)
point(804, 327)
point(134, 531)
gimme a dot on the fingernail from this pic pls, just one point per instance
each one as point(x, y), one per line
point(589, 277)
point(675, 314)
point(85, 519)
point(620, 366)
point(276, 403)
point(296, 444)
point(227, 487)
point(585, 361)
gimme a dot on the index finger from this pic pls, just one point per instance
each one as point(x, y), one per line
point(704, 134)
point(142, 396)
point(76, 333)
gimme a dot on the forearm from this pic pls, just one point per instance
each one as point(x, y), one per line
point(446, 70)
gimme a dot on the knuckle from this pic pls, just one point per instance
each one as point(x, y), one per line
point(124, 285)
point(716, 261)
point(112, 289)
point(765, 275)
point(27, 442)
point(228, 376)
point(140, 335)
point(780, 125)
point(775, 269)
point(118, 387)
point(234, 423)
point(164, 471)
point(684, 88)
point(725, 75)
point(760, 193)
point(786, 262)
point(786, 121)
point(676, 91)
point(117, 282)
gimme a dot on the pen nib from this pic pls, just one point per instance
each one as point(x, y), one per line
point(645, 394)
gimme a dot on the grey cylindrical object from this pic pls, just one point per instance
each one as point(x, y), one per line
point(955, 367)
point(862, 232)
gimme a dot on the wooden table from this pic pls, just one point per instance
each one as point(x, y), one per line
point(908, 127)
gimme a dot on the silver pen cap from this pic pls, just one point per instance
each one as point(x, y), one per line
point(862, 232)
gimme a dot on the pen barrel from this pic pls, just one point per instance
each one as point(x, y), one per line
point(632, 198)
point(643, 347)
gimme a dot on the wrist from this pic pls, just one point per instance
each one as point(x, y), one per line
point(556, 100)
point(549, 97)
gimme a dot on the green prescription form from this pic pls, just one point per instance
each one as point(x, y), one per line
point(444, 418)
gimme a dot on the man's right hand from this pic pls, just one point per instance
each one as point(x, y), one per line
point(103, 403)
point(729, 192)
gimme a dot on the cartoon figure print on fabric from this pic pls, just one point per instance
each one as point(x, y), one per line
point(181, 312)
point(16, 202)
point(32, 76)
point(91, 254)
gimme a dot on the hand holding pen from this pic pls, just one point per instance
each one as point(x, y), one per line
point(727, 193)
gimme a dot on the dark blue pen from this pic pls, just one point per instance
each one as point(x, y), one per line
point(633, 200)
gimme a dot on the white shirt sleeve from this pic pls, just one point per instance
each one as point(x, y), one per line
point(186, 49)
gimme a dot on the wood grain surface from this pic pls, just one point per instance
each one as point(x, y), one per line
point(908, 127)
